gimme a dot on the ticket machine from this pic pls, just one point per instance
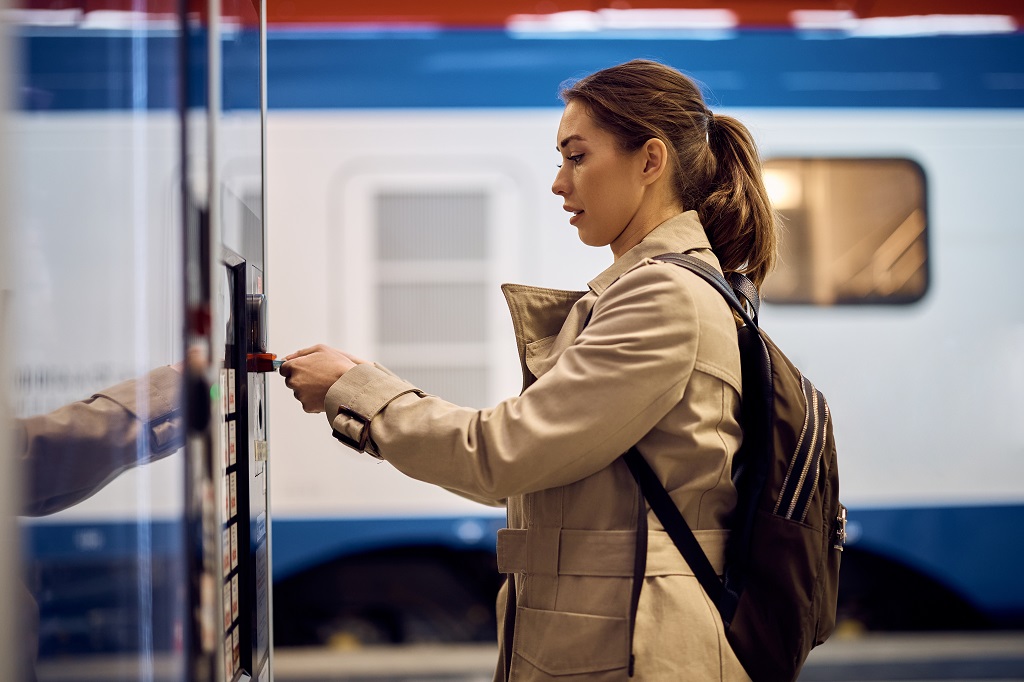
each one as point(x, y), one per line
point(241, 418)
point(230, 577)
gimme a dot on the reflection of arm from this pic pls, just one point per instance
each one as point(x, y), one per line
point(72, 452)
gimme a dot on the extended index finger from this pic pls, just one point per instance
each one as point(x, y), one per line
point(300, 353)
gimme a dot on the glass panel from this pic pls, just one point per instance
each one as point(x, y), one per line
point(244, 528)
point(96, 345)
point(11, 586)
point(855, 231)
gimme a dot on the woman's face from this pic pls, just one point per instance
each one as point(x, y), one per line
point(600, 184)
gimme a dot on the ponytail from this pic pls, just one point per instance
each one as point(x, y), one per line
point(736, 213)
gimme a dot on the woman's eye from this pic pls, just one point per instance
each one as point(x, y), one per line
point(575, 158)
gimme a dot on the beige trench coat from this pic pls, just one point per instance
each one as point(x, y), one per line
point(657, 365)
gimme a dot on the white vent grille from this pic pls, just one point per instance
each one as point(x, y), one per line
point(432, 226)
point(431, 290)
point(431, 312)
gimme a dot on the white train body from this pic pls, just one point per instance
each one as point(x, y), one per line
point(927, 395)
point(910, 386)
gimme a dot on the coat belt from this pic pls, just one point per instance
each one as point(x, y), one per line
point(607, 553)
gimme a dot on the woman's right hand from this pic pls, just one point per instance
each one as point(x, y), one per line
point(312, 371)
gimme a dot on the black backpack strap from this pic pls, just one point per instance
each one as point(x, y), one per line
point(677, 529)
point(639, 572)
point(742, 285)
point(715, 279)
point(722, 595)
point(756, 426)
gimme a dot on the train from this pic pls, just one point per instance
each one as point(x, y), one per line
point(408, 177)
point(379, 189)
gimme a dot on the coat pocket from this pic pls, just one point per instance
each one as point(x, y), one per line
point(559, 643)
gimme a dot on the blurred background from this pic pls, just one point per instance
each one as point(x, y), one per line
point(369, 174)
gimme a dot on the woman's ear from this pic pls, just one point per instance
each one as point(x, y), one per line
point(655, 156)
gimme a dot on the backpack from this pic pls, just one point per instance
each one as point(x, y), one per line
point(779, 591)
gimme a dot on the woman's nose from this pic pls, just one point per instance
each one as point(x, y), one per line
point(559, 186)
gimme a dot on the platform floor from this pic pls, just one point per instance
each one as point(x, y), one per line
point(964, 657)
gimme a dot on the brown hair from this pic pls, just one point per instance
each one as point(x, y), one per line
point(716, 167)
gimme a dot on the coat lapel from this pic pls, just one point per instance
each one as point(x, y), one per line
point(537, 315)
point(547, 321)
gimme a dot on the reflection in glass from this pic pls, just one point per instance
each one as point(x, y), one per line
point(96, 322)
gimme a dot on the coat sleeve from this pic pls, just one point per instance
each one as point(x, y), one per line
point(74, 451)
point(625, 371)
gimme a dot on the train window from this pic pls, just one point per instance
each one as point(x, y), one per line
point(854, 231)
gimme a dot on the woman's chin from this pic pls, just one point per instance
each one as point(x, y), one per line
point(592, 240)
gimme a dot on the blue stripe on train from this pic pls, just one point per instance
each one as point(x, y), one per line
point(297, 544)
point(975, 550)
point(72, 69)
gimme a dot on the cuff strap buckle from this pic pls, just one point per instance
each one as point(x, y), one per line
point(364, 432)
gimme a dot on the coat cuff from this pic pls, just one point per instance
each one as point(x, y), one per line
point(161, 411)
point(356, 398)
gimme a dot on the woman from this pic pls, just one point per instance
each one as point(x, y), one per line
point(647, 356)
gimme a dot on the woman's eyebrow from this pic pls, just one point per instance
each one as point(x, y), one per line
point(567, 140)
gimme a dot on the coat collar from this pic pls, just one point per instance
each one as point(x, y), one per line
point(678, 234)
